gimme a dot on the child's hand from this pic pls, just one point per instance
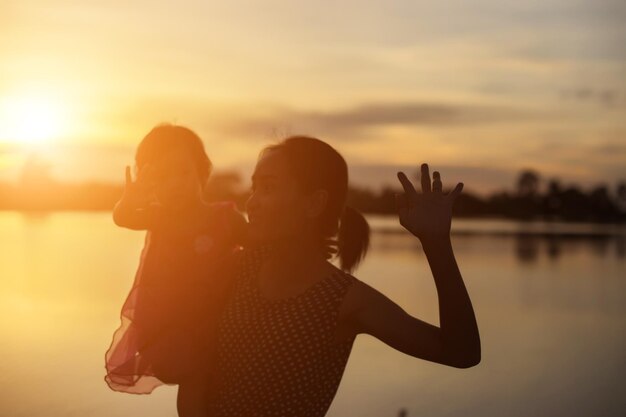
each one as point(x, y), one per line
point(138, 193)
point(427, 215)
point(132, 209)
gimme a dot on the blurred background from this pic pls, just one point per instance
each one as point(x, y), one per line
point(524, 102)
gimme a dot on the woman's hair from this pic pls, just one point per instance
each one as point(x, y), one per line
point(317, 165)
point(166, 137)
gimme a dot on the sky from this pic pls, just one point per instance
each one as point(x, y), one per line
point(478, 89)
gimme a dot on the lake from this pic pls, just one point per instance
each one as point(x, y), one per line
point(550, 301)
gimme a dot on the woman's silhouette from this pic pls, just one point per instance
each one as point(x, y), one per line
point(291, 319)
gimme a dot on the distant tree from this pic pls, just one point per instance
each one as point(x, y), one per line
point(554, 187)
point(620, 192)
point(575, 204)
point(552, 201)
point(528, 183)
point(602, 208)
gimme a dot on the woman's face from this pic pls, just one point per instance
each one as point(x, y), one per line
point(277, 208)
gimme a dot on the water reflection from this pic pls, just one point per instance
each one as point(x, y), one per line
point(527, 248)
point(620, 247)
point(551, 311)
point(554, 248)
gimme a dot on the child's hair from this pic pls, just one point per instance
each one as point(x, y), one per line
point(317, 165)
point(165, 137)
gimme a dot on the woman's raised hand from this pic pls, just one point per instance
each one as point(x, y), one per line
point(427, 215)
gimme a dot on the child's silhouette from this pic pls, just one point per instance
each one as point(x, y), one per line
point(165, 335)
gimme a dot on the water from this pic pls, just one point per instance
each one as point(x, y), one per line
point(550, 302)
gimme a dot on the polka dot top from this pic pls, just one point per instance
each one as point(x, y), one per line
point(279, 357)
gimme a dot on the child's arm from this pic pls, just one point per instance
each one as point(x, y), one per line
point(134, 210)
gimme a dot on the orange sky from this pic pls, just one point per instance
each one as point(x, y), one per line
point(479, 89)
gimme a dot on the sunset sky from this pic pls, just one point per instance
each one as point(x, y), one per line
point(479, 89)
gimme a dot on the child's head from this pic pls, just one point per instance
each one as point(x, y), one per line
point(178, 164)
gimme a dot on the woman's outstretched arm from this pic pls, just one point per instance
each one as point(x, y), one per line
point(456, 342)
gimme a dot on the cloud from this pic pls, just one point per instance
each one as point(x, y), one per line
point(367, 116)
point(609, 97)
point(610, 148)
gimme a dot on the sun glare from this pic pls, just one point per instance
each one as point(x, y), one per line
point(31, 119)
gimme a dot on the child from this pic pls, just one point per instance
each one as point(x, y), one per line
point(171, 311)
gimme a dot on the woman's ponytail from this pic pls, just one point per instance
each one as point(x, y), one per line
point(353, 239)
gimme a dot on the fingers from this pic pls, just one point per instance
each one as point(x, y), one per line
point(425, 178)
point(129, 178)
point(437, 184)
point(452, 195)
point(409, 190)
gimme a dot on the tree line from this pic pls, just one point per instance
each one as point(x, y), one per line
point(531, 197)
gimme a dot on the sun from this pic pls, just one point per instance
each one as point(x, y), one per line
point(31, 119)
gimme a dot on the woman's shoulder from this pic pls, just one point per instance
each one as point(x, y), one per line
point(345, 283)
point(356, 295)
point(353, 301)
point(343, 275)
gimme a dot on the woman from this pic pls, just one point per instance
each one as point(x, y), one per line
point(290, 322)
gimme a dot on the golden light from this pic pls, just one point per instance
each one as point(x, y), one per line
point(31, 119)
